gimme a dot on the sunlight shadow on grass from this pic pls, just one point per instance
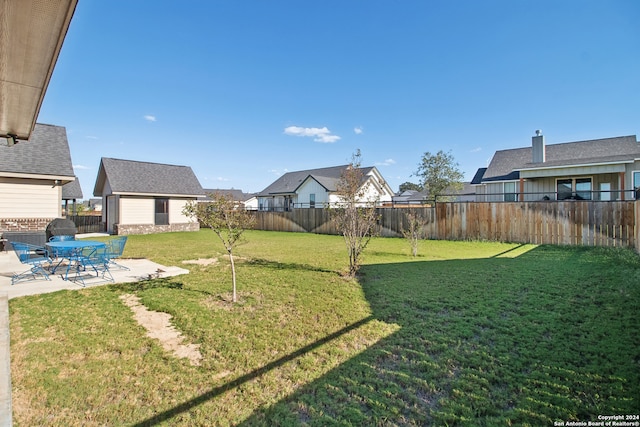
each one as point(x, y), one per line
point(216, 391)
point(515, 252)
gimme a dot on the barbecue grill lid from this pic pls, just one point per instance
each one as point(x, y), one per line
point(60, 227)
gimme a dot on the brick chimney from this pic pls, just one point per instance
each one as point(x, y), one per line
point(538, 148)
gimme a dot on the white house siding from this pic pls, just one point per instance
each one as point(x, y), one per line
point(28, 198)
point(175, 211)
point(311, 186)
point(137, 210)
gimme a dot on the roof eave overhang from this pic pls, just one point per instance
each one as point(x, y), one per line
point(582, 168)
point(33, 33)
point(67, 178)
point(169, 195)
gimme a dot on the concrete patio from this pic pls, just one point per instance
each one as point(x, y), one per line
point(139, 269)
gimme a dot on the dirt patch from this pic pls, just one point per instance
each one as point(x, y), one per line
point(158, 326)
point(201, 261)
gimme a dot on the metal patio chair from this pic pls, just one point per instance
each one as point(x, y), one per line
point(36, 257)
point(86, 261)
point(115, 248)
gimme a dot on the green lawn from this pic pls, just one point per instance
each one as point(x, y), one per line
point(467, 333)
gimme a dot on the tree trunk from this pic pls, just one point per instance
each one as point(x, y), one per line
point(233, 277)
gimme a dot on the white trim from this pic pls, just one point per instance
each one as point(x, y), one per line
point(175, 196)
point(37, 176)
point(582, 165)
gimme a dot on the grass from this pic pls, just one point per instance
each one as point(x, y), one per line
point(467, 333)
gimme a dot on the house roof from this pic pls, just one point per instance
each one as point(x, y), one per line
point(145, 178)
point(506, 164)
point(237, 195)
point(46, 155)
point(290, 181)
point(32, 35)
point(72, 190)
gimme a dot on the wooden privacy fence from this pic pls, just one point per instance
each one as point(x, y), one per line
point(588, 223)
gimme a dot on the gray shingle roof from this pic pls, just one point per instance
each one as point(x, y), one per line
point(290, 181)
point(72, 190)
point(505, 164)
point(46, 153)
point(237, 195)
point(134, 177)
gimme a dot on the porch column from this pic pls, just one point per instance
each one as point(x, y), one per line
point(621, 180)
point(521, 197)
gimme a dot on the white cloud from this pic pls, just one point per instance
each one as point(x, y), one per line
point(387, 162)
point(150, 118)
point(476, 150)
point(81, 167)
point(358, 130)
point(318, 134)
point(91, 137)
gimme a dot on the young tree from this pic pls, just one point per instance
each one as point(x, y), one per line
point(413, 229)
point(227, 221)
point(409, 186)
point(439, 174)
point(355, 215)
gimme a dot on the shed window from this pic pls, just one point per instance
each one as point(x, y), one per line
point(162, 212)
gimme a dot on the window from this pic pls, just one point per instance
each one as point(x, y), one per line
point(162, 212)
point(636, 184)
point(583, 188)
point(312, 200)
point(510, 192)
point(573, 188)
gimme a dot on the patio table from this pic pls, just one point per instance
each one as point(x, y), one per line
point(73, 251)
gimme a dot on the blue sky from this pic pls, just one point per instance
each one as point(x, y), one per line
point(244, 91)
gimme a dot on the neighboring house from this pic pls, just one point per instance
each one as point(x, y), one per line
point(600, 169)
point(413, 198)
point(144, 198)
point(71, 192)
point(32, 176)
point(93, 205)
point(246, 200)
point(316, 188)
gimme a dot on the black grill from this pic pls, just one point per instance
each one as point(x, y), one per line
point(61, 227)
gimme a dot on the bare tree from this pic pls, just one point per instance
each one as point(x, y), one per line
point(355, 214)
point(413, 231)
point(227, 220)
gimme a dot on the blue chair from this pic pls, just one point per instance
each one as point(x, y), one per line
point(86, 260)
point(115, 248)
point(35, 256)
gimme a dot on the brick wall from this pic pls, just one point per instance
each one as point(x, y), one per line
point(24, 224)
point(126, 229)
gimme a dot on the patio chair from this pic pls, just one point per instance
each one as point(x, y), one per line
point(115, 248)
point(35, 256)
point(88, 260)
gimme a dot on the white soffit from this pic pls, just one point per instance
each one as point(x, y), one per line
point(31, 36)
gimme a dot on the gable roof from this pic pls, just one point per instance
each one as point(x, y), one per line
point(237, 195)
point(290, 181)
point(46, 155)
point(72, 190)
point(145, 178)
point(507, 164)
